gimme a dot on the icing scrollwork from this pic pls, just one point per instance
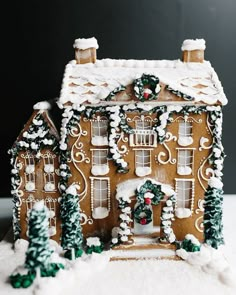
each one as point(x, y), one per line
point(199, 221)
point(85, 219)
point(169, 137)
point(78, 156)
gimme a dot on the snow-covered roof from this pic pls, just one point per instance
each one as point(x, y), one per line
point(92, 83)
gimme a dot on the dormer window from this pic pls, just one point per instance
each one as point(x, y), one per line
point(185, 133)
point(99, 131)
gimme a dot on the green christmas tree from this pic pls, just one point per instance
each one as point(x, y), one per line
point(38, 253)
point(72, 237)
point(213, 227)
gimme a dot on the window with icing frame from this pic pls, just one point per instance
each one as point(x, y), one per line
point(49, 174)
point(185, 163)
point(99, 131)
point(99, 162)
point(100, 197)
point(143, 135)
point(29, 171)
point(185, 133)
point(185, 197)
point(142, 162)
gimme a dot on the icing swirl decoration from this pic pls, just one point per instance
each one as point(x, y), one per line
point(146, 87)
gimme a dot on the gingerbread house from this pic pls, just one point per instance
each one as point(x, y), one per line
point(140, 140)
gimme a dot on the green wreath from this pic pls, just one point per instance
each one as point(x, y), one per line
point(142, 211)
point(143, 214)
point(151, 91)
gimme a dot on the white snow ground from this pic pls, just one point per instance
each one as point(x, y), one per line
point(95, 275)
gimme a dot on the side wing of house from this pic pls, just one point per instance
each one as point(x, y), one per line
point(35, 173)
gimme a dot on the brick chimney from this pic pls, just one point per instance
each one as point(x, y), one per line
point(85, 50)
point(193, 50)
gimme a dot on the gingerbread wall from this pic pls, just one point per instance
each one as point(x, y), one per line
point(164, 165)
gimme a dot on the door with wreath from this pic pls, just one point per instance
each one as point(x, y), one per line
point(147, 209)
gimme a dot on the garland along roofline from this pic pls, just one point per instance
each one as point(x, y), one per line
point(36, 138)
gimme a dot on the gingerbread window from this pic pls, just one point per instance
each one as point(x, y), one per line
point(49, 175)
point(29, 172)
point(185, 133)
point(99, 132)
point(185, 197)
point(100, 197)
point(142, 162)
point(185, 161)
point(143, 134)
point(99, 162)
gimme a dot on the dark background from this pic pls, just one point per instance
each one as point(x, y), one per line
point(37, 42)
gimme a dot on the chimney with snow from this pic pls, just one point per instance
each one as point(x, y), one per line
point(193, 50)
point(86, 50)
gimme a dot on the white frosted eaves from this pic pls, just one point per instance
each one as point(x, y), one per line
point(93, 82)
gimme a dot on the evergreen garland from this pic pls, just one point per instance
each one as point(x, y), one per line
point(72, 237)
point(38, 252)
point(114, 92)
point(180, 94)
point(213, 227)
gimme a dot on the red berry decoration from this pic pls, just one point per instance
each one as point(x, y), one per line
point(146, 95)
point(148, 201)
point(143, 221)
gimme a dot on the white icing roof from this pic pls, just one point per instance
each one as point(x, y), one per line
point(91, 83)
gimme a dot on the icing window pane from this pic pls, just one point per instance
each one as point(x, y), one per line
point(100, 198)
point(49, 175)
point(29, 172)
point(143, 162)
point(185, 134)
point(99, 132)
point(185, 194)
point(185, 162)
point(100, 163)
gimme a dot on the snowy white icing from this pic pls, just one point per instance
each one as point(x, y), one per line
point(215, 182)
point(72, 189)
point(38, 206)
point(193, 44)
point(183, 213)
point(42, 105)
point(91, 83)
point(93, 241)
point(85, 43)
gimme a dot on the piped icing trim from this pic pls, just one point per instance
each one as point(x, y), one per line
point(83, 43)
point(193, 44)
point(42, 105)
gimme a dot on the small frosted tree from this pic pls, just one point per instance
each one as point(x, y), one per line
point(213, 227)
point(72, 237)
point(38, 253)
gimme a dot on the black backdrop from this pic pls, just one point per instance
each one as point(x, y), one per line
point(37, 39)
